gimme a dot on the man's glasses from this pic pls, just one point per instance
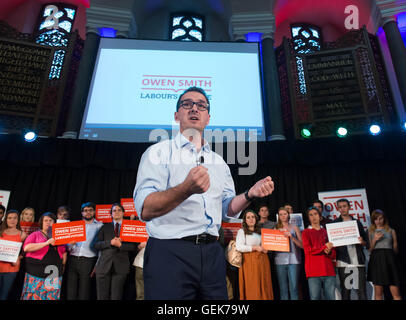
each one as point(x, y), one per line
point(188, 104)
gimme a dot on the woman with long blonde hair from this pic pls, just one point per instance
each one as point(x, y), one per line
point(288, 263)
point(27, 215)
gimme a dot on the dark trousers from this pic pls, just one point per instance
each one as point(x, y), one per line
point(352, 278)
point(110, 286)
point(183, 270)
point(78, 277)
point(6, 282)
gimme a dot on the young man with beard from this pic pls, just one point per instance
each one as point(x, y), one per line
point(183, 190)
point(82, 257)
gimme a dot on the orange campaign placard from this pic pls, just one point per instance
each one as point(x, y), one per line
point(67, 232)
point(103, 213)
point(230, 230)
point(274, 240)
point(133, 231)
point(129, 208)
point(29, 227)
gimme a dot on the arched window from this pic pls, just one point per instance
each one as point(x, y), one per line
point(53, 29)
point(186, 27)
point(306, 39)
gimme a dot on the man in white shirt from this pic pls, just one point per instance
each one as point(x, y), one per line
point(183, 190)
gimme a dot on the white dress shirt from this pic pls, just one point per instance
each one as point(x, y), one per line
point(165, 165)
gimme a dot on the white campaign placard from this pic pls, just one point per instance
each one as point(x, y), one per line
point(9, 250)
point(4, 196)
point(343, 233)
point(359, 208)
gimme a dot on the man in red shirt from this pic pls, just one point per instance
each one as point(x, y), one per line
point(319, 256)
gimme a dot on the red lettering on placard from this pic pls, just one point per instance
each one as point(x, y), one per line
point(362, 216)
point(359, 205)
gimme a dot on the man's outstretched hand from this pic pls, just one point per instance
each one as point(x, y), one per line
point(262, 188)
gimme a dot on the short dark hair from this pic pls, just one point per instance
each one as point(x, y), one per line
point(312, 208)
point(2, 208)
point(117, 204)
point(318, 201)
point(46, 214)
point(63, 207)
point(193, 89)
point(343, 200)
point(88, 204)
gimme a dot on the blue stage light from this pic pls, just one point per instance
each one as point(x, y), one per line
point(375, 129)
point(30, 136)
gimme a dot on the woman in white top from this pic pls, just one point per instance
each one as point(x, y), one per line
point(255, 273)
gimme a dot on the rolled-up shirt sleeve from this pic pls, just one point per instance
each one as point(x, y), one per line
point(152, 177)
point(228, 193)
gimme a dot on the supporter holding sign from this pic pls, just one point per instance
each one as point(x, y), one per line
point(319, 256)
point(288, 263)
point(44, 262)
point(82, 257)
point(255, 273)
point(113, 264)
point(11, 238)
point(351, 258)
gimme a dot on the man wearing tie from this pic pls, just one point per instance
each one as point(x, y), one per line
point(183, 190)
point(113, 264)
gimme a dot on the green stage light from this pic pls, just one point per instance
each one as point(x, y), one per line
point(342, 132)
point(305, 132)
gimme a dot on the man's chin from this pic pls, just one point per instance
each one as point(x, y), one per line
point(88, 218)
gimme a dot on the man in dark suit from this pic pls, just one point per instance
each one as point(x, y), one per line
point(113, 264)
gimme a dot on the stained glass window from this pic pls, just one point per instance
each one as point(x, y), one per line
point(186, 27)
point(55, 24)
point(306, 39)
